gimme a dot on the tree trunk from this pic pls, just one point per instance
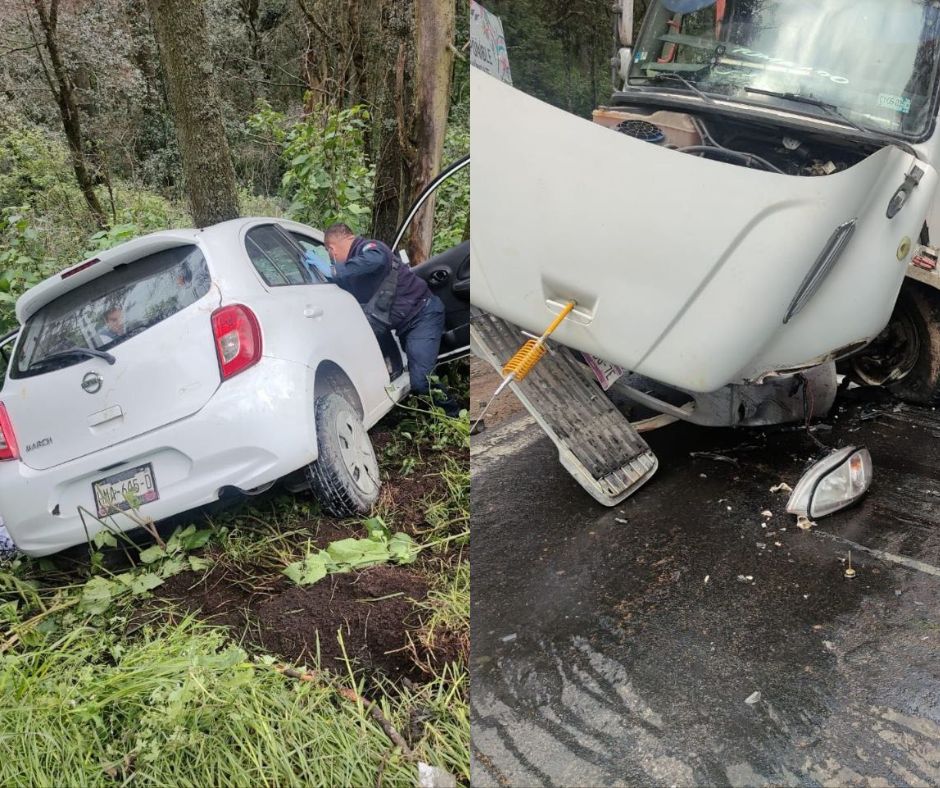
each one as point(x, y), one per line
point(434, 36)
point(64, 91)
point(208, 174)
point(393, 155)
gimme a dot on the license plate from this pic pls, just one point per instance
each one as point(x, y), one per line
point(124, 490)
point(606, 373)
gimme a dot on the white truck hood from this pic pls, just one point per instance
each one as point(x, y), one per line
point(683, 268)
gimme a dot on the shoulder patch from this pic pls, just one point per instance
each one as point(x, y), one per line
point(370, 246)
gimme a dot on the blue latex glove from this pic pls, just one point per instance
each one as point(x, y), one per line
point(313, 260)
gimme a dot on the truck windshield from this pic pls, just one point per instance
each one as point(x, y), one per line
point(875, 61)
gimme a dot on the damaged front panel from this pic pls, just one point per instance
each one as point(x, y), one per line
point(684, 269)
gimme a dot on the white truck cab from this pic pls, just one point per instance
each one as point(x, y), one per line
point(756, 202)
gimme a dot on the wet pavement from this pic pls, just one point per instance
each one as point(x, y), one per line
point(620, 646)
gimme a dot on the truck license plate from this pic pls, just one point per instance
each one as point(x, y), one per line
point(606, 373)
point(124, 490)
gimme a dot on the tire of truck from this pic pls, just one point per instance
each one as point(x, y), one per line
point(905, 357)
point(345, 475)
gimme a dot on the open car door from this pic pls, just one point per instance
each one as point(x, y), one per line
point(447, 272)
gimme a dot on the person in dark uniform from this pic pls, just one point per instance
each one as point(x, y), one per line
point(393, 297)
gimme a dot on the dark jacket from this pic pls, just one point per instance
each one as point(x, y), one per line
point(369, 262)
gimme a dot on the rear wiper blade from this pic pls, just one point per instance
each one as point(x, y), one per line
point(73, 351)
point(836, 113)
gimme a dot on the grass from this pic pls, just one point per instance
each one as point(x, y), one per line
point(178, 705)
point(107, 699)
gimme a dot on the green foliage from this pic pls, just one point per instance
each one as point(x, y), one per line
point(21, 261)
point(380, 547)
point(559, 52)
point(327, 176)
point(179, 705)
point(452, 205)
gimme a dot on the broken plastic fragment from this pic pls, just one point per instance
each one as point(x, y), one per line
point(767, 513)
point(782, 487)
point(804, 523)
point(434, 777)
point(753, 698)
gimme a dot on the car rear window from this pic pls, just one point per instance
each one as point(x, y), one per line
point(109, 310)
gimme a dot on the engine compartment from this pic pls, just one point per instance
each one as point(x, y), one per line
point(736, 141)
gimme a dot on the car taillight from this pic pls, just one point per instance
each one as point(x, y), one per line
point(237, 339)
point(8, 448)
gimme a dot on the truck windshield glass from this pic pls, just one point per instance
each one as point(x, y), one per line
point(874, 60)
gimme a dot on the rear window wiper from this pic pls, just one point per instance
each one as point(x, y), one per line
point(836, 113)
point(72, 351)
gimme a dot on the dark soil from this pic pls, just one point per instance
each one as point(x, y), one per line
point(374, 610)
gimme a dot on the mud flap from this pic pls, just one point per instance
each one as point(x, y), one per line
point(596, 444)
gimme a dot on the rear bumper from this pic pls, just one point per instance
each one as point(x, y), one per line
point(257, 427)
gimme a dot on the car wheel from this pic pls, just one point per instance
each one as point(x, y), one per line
point(345, 475)
point(905, 357)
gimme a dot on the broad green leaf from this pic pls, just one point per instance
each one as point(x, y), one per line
point(402, 549)
point(151, 554)
point(196, 539)
point(308, 571)
point(98, 594)
point(377, 529)
point(145, 582)
point(104, 538)
point(171, 567)
point(198, 564)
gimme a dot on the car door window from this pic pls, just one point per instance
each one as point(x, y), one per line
point(311, 245)
point(276, 257)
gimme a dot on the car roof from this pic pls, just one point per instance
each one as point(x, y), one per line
point(58, 284)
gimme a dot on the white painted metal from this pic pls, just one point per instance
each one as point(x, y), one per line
point(683, 268)
point(164, 403)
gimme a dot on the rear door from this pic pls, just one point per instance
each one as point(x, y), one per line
point(447, 272)
point(148, 321)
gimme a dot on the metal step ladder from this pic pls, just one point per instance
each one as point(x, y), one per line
point(596, 443)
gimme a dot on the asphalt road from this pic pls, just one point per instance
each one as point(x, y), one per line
point(619, 646)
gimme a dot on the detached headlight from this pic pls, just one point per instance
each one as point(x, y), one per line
point(832, 484)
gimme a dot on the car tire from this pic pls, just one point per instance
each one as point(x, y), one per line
point(345, 475)
point(905, 357)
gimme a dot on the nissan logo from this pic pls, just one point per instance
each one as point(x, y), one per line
point(91, 382)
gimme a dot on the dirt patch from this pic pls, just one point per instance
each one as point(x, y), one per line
point(225, 595)
point(483, 382)
point(372, 610)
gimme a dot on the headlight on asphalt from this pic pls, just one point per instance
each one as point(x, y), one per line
point(832, 484)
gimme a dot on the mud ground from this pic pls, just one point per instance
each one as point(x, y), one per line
point(483, 382)
point(374, 610)
point(683, 638)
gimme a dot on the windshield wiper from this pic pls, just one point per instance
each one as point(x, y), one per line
point(836, 113)
point(72, 351)
point(674, 75)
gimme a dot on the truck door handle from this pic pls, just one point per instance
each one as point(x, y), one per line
point(313, 311)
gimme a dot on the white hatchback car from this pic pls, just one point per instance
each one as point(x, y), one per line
point(186, 363)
